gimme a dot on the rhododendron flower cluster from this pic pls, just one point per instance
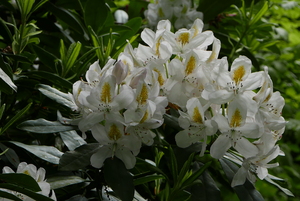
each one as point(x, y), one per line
point(221, 104)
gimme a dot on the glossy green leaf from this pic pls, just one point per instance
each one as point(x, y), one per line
point(37, 5)
point(118, 178)
point(47, 153)
point(56, 95)
point(15, 118)
point(21, 179)
point(44, 126)
point(62, 181)
point(95, 14)
point(78, 158)
point(7, 195)
point(71, 139)
point(21, 189)
point(245, 192)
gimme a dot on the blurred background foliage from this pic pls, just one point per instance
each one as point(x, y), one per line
point(55, 42)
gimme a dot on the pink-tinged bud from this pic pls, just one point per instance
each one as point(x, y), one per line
point(120, 71)
point(136, 78)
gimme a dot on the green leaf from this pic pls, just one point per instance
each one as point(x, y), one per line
point(245, 192)
point(196, 174)
point(7, 80)
point(54, 78)
point(56, 95)
point(71, 139)
point(15, 118)
point(259, 15)
point(25, 7)
point(95, 14)
point(147, 179)
point(33, 195)
point(43, 126)
point(78, 158)
point(118, 178)
point(7, 195)
point(47, 153)
point(207, 190)
point(2, 110)
point(39, 4)
point(62, 181)
point(68, 17)
point(72, 54)
point(18, 57)
point(46, 57)
point(21, 179)
point(11, 155)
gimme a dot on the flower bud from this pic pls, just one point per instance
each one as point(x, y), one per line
point(120, 71)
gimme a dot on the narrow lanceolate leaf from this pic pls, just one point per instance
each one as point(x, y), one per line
point(147, 179)
point(119, 179)
point(259, 15)
point(54, 94)
point(62, 181)
point(71, 139)
point(78, 158)
point(47, 153)
point(72, 54)
point(2, 110)
point(44, 126)
point(245, 192)
point(7, 80)
point(15, 118)
point(20, 179)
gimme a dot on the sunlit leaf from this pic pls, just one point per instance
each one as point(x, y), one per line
point(43, 126)
point(56, 95)
point(47, 153)
point(71, 139)
point(62, 181)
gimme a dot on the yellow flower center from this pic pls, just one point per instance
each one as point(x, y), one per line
point(143, 96)
point(197, 116)
point(145, 117)
point(105, 93)
point(184, 38)
point(160, 78)
point(191, 64)
point(114, 133)
point(236, 119)
point(239, 74)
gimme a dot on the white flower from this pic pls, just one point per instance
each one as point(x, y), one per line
point(234, 129)
point(114, 142)
point(37, 174)
point(196, 127)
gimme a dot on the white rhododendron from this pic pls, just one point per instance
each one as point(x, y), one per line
point(227, 106)
point(37, 174)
